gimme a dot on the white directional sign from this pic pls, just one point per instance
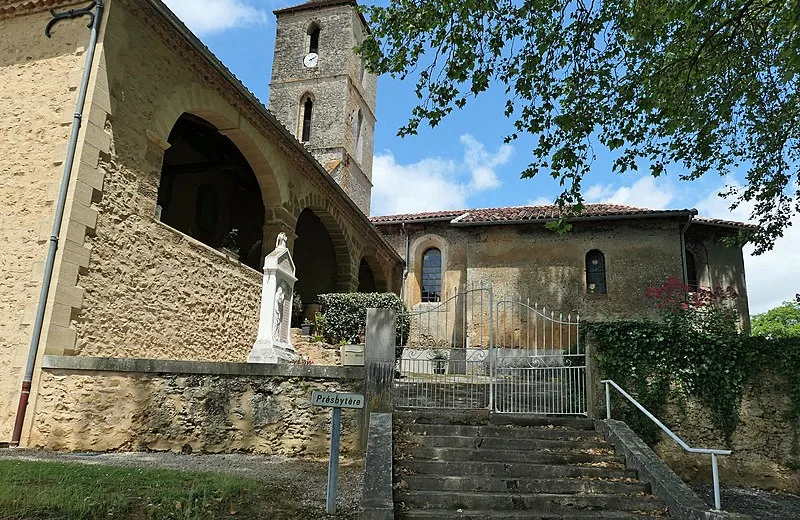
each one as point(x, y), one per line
point(337, 400)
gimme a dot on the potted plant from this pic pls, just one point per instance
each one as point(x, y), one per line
point(439, 359)
point(307, 327)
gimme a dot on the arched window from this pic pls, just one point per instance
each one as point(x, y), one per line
point(595, 272)
point(431, 275)
point(308, 108)
point(313, 39)
point(691, 272)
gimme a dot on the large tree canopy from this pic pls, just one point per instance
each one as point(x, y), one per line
point(781, 322)
point(706, 85)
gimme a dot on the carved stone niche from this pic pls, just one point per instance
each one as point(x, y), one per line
point(273, 344)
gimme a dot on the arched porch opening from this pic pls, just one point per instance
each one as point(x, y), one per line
point(209, 191)
point(316, 256)
point(371, 277)
point(366, 280)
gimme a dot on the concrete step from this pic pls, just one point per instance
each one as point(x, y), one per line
point(520, 485)
point(503, 443)
point(454, 500)
point(530, 456)
point(510, 469)
point(561, 514)
point(482, 417)
point(505, 432)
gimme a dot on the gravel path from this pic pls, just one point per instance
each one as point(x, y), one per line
point(757, 503)
point(307, 478)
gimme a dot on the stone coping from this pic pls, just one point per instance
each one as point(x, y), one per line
point(665, 484)
point(211, 368)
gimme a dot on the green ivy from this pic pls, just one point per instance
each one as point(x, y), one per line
point(346, 314)
point(651, 358)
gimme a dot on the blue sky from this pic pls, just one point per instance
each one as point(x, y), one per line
point(463, 163)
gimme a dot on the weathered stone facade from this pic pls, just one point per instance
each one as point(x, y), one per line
point(526, 260)
point(38, 78)
point(125, 283)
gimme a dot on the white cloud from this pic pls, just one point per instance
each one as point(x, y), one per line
point(482, 164)
point(770, 277)
point(647, 192)
point(435, 183)
point(540, 201)
point(217, 15)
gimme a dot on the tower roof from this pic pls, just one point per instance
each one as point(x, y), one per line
point(314, 4)
point(318, 4)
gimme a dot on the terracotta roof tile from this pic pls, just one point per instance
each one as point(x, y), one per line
point(516, 214)
point(430, 215)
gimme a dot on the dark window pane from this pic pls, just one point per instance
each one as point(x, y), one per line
point(313, 45)
point(308, 107)
point(691, 272)
point(595, 272)
point(431, 275)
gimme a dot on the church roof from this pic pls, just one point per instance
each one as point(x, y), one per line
point(522, 214)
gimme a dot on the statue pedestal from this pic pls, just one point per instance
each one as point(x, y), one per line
point(273, 344)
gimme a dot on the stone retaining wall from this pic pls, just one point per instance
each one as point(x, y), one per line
point(762, 444)
point(106, 404)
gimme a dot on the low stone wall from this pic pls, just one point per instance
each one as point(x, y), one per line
point(762, 443)
point(104, 404)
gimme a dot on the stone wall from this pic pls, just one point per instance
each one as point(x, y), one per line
point(38, 80)
point(529, 261)
point(763, 444)
point(151, 291)
point(218, 409)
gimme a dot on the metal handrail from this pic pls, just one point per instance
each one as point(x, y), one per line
point(681, 443)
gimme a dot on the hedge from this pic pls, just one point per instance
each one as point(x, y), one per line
point(346, 314)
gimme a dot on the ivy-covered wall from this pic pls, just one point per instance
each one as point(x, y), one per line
point(714, 385)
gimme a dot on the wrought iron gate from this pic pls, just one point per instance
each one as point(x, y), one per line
point(470, 352)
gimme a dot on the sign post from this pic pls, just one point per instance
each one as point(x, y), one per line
point(336, 401)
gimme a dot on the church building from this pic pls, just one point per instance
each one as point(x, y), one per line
point(182, 182)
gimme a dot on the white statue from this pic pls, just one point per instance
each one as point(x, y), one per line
point(280, 295)
point(280, 243)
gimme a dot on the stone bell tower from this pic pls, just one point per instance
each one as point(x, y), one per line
point(321, 92)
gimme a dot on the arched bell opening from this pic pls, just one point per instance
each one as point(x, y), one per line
point(209, 191)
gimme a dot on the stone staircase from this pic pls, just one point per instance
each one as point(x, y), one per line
point(474, 465)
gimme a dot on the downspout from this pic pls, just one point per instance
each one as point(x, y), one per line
point(683, 250)
point(405, 264)
point(94, 24)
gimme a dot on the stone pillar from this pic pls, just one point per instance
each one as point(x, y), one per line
point(379, 363)
point(273, 343)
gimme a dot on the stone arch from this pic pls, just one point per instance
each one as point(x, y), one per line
point(322, 254)
point(416, 250)
point(370, 269)
point(208, 190)
point(205, 103)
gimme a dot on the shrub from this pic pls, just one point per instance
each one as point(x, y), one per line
point(346, 314)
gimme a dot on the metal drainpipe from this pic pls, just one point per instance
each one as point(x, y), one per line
point(405, 265)
point(94, 24)
point(683, 250)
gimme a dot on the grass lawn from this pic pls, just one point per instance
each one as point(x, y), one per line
point(49, 490)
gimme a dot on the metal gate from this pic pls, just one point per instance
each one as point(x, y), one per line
point(470, 352)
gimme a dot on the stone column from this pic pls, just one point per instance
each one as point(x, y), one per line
point(379, 363)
